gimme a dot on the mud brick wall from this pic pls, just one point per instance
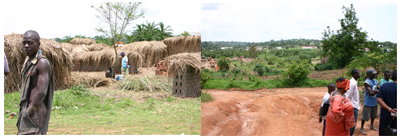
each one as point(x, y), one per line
point(187, 84)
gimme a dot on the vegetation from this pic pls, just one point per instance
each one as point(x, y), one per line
point(150, 84)
point(205, 97)
point(82, 111)
point(150, 32)
point(379, 60)
point(296, 75)
point(117, 16)
point(223, 64)
point(347, 43)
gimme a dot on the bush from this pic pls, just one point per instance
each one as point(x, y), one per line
point(321, 67)
point(259, 69)
point(205, 97)
point(296, 75)
point(236, 71)
point(205, 76)
point(267, 70)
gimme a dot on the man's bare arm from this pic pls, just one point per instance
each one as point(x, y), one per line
point(43, 68)
point(369, 90)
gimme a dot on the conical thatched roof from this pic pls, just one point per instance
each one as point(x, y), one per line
point(183, 61)
point(183, 44)
point(60, 61)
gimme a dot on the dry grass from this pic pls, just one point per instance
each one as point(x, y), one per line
point(60, 61)
point(183, 44)
point(153, 51)
point(102, 60)
point(91, 79)
point(98, 47)
point(183, 61)
point(82, 41)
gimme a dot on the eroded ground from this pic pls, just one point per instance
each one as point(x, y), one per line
point(266, 112)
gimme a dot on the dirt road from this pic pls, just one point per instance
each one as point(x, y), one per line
point(267, 112)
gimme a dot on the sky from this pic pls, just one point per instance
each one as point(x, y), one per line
point(62, 18)
point(260, 22)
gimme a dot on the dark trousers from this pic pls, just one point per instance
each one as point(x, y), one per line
point(355, 117)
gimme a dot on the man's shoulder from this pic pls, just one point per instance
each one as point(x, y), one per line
point(43, 63)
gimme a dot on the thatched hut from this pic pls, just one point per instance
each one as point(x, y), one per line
point(183, 44)
point(153, 51)
point(97, 47)
point(103, 59)
point(60, 61)
point(186, 68)
point(82, 41)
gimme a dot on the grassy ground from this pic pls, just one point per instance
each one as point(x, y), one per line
point(224, 83)
point(89, 112)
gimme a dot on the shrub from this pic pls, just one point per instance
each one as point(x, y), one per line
point(267, 70)
point(296, 75)
point(236, 71)
point(205, 97)
point(321, 67)
point(205, 76)
point(259, 69)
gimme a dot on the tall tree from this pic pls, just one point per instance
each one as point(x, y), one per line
point(117, 16)
point(164, 31)
point(348, 42)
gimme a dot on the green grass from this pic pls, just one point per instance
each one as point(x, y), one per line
point(84, 112)
point(205, 97)
point(220, 83)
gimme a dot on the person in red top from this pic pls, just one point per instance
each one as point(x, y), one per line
point(340, 116)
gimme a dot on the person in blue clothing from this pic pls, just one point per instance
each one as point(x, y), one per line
point(370, 109)
point(387, 99)
point(385, 79)
point(125, 66)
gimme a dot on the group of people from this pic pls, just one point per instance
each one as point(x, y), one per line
point(340, 106)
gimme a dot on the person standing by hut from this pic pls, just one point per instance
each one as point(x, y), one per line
point(36, 88)
point(340, 117)
point(387, 99)
point(125, 66)
point(354, 96)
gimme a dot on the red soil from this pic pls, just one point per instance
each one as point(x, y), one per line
point(267, 112)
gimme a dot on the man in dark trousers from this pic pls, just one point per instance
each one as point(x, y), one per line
point(36, 88)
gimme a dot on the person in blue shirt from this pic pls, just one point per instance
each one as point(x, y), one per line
point(387, 99)
point(125, 66)
point(370, 109)
point(385, 79)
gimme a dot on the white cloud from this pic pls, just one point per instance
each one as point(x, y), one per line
point(62, 18)
point(266, 21)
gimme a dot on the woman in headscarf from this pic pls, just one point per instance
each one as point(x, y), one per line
point(340, 117)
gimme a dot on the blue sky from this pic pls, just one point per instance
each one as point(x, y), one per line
point(258, 22)
point(58, 19)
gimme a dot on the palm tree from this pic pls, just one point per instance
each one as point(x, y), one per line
point(164, 32)
point(223, 63)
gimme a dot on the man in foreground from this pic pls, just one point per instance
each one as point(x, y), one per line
point(36, 88)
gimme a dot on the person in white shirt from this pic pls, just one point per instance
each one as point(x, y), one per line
point(354, 96)
point(325, 105)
